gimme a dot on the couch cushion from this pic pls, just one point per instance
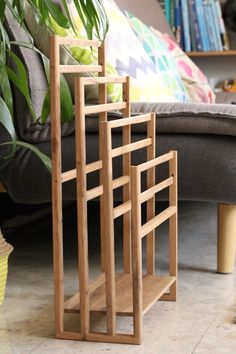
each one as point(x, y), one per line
point(158, 52)
point(193, 78)
point(181, 118)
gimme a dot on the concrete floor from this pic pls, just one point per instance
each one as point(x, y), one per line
point(200, 322)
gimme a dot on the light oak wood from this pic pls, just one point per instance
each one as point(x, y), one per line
point(136, 252)
point(117, 123)
point(173, 225)
point(66, 69)
point(155, 162)
point(56, 183)
point(122, 209)
point(82, 222)
point(78, 42)
point(58, 178)
point(100, 108)
point(151, 153)
point(226, 245)
point(104, 80)
point(131, 147)
point(102, 99)
point(149, 193)
point(211, 53)
point(126, 163)
point(108, 229)
point(157, 220)
point(117, 338)
point(129, 293)
point(152, 289)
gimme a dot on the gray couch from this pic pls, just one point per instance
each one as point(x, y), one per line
point(204, 136)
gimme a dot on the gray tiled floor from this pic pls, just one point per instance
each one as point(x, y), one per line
point(202, 320)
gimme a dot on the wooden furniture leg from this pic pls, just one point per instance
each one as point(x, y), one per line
point(226, 243)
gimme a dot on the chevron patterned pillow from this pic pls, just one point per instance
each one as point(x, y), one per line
point(160, 56)
point(126, 53)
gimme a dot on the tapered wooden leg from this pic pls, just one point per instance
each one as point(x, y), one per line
point(226, 247)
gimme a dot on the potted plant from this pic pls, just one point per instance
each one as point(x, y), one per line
point(94, 20)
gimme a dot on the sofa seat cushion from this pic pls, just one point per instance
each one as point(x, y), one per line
point(211, 174)
point(181, 118)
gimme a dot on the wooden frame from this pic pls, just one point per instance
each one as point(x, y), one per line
point(141, 290)
point(102, 295)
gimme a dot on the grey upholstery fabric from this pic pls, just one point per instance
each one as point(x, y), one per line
point(207, 168)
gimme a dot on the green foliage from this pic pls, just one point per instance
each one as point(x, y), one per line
point(94, 19)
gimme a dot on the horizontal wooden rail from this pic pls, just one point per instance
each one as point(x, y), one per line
point(94, 193)
point(149, 193)
point(122, 209)
point(78, 42)
point(129, 121)
point(121, 150)
point(80, 68)
point(98, 191)
point(155, 162)
point(71, 174)
point(104, 107)
point(93, 166)
point(68, 175)
point(120, 181)
point(103, 80)
point(157, 220)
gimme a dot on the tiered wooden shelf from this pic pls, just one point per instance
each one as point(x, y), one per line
point(133, 292)
point(153, 289)
point(212, 54)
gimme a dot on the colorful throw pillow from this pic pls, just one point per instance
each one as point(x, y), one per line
point(161, 57)
point(125, 53)
point(193, 78)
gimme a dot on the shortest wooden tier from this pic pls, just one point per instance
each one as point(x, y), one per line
point(153, 288)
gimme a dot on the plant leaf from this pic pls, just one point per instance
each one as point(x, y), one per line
point(2, 10)
point(46, 107)
point(20, 80)
point(65, 97)
point(6, 120)
point(56, 13)
point(44, 158)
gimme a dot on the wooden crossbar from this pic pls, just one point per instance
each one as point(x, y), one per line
point(129, 121)
point(104, 107)
point(64, 69)
point(149, 193)
point(122, 209)
point(98, 191)
point(104, 80)
point(121, 150)
point(157, 220)
point(155, 162)
point(77, 42)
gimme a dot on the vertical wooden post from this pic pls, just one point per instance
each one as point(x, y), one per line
point(136, 253)
point(56, 184)
point(151, 132)
point(102, 99)
point(108, 228)
point(173, 226)
point(126, 139)
point(82, 223)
